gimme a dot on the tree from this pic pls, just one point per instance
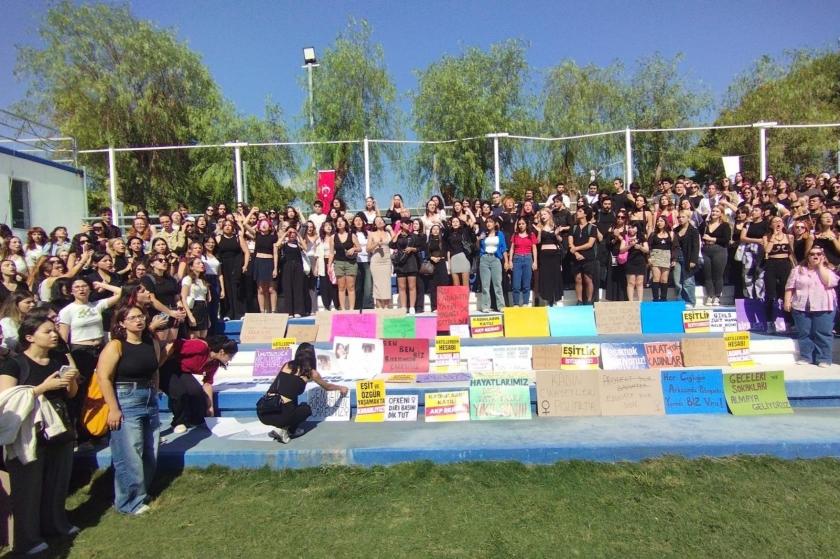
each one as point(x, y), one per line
point(465, 96)
point(354, 98)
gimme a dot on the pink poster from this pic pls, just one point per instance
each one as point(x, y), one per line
point(425, 327)
point(353, 326)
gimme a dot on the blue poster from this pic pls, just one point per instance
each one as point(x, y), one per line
point(619, 357)
point(572, 321)
point(662, 317)
point(693, 391)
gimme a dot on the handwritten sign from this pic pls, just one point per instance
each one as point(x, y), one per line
point(400, 378)
point(399, 327)
point(572, 321)
point(487, 326)
point(500, 397)
point(723, 321)
point(756, 393)
point(460, 330)
point(507, 358)
point(546, 356)
point(567, 394)
point(704, 352)
point(381, 315)
point(623, 356)
point(663, 354)
point(696, 321)
point(445, 377)
point(447, 406)
point(401, 407)
point(618, 317)
point(323, 321)
point(405, 356)
point(353, 325)
point(283, 343)
point(303, 332)
point(370, 401)
point(258, 328)
point(631, 393)
point(447, 345)
point(267, 362)
point(693, 391)
point(328, 405)
point(526, 322)
point(738, 349)
point(454, 307)
point(580, 356)
point(480, 364)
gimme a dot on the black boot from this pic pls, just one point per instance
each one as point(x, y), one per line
point(663, 291)
point(654, 290)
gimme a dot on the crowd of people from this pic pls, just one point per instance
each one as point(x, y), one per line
point(141, 309)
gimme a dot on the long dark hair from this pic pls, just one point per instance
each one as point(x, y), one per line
point(304, 362)
point(117, 330)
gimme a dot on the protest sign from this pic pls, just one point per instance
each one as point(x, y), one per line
point(405, 356)
point(447, 406)
point(693, 391)
point(623, 356)
point(302, 332)
point(723, 321)
point(486, 326)
point(459, 330)
point(479, 364)
point(580, 357)
point(399, 327)
point(704, 352)
point(500, 397)
point(508, 358)
point(546, 356)
point(323, 322)
point(267, 362)
point(425, 327)
point(662, 317)
point(454, 307)
point(567, 394)
point(259, 328)
point(631, 392)
point(353, 325)
point(756, 393)
point(283, 343)
point(357, 358)
point(738, 349)
point(618, 317)
point(399, 378)
point(324, 359)
point(663, 354)
point(696, 321)
point(381, 315)
point(447, 350)
point(574, 321)
point(526, 322)
point(444, 377)
point(328, 405)
point(370, 401)
point(401, 407)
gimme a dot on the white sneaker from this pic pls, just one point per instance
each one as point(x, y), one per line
point(716, 302)
point(824, 365)
point(142, 510)
point(802, 362)
point(411, 311)
point(40, 548)
point(180, 428)
point(707, 302)
point(688, 306)
point(280, 435)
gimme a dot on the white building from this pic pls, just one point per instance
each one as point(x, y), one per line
point(39, 192)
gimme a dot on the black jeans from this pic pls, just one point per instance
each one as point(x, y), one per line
point(288, 417)
point(714, 263)
point(776, 272)
point(187, 400)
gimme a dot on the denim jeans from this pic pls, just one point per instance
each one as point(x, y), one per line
point(814, 334)
point(521, 278)
point(685, 283)
point(134, 447)
point(490, 270)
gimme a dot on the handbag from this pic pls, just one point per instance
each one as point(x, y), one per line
point(307, 267)
point(739, 253)
point(272, 400)
point(427, 268)
point(95, 410)
point(622, 257)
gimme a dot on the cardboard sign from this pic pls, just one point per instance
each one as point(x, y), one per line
point(405, 356)
point(623, 356)
point(353, 325)
point(447, 406)
point(486, 326)
point(704, 352)
point(631, 393)
point(357, 358)
point(693, 391)
point(401, 408)
point(425, 327)
point(500, 397)
point(283, 343)
point(399, 327)
point(267, 362)
point(572, 321)
point(567, 394)
point(303, 333)
point(259, 328)
point(618, 317)
point(526, 322)
point(508, 358)
point(723, 321)
point(370, 401)
point(662, 317)
point(546, 356)
point(580, 357)
point(454, 307)
point(445, 377)
point(663, 354)
point(328, 405)
point(323, 321)
point(758, 393)
point(696, 321)
point(738, 349)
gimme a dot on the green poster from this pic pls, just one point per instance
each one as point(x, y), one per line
point(398, 327)
point(756, 393)
point(499, 397)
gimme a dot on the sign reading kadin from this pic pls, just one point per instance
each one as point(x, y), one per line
point(567, 394)
point(487, 326)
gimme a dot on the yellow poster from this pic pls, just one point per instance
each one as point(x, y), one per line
point(447, 345)
point(738, 349)
point(487, 326)
point(448, 406)
point(282, 343)
point(576, 357)
point(370, 401)
point(696, 321)
point(526, 322)
point(402, 378)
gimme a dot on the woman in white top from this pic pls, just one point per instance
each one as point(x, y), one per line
point(12, 312)
point(323, 254)
point(195, 296)
point(36, 246)
point(212, 269)
point(59, 241)
point(370, 211)
point(431, 216)
point(310, 234)
point(14, 252)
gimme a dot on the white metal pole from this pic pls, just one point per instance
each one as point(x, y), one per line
point(311, 102)
point(628, 157)
point(762, 151)
point(238, 170)
point(366, 144)
point(496, 163)
point(838, 157)
point(112, 177)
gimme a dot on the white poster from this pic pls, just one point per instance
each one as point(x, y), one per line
point(731, 165)
point(401, 407)
point(357, 358)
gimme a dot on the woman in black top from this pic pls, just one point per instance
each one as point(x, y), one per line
point(778, 246)
point(715, 235)
point(436, 250)
point(688, 240)
point(105, 273)
point(292, 249)
point(128, 375)
point(345, 249)
point(233, 254)
point(39, 487)
point(166, 296)
point(265, 266)
point(279, 407)
point(406, 264)
point(461, 244)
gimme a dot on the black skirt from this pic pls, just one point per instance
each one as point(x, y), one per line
point(202, 317)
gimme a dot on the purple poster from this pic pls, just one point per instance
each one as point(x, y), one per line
point(751, 315)
point(267, 362)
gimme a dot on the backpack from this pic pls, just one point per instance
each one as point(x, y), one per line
point(94, 409)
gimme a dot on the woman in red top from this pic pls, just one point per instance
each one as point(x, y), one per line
point(523, 255)
point(190, 400)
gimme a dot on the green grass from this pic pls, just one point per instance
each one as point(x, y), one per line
point(670, 507)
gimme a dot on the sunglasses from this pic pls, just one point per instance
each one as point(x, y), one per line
point(815, 253)
point(160, 260)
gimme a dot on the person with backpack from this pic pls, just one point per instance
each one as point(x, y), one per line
point(582, 247)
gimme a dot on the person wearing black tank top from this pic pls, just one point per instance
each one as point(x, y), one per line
point(128, 375)
point(778, 246)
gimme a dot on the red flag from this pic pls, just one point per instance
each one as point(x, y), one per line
point(325, 191)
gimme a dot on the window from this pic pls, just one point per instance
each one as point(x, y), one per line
point(20, 204)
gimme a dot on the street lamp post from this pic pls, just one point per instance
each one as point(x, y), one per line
point(309, 62)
